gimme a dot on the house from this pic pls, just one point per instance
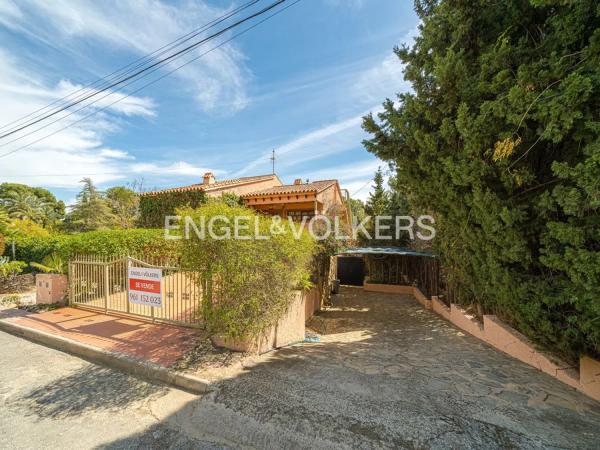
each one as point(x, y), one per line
point(213, 188)
point(301, 199)
point(267, 194)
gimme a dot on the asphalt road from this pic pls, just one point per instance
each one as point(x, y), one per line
point(52, 400)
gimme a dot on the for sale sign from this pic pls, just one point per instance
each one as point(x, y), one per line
point(145, 286)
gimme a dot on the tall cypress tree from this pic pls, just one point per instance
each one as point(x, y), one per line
point(500, 139)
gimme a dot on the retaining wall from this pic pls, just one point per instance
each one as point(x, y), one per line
point(585, 378)
point(289, 329)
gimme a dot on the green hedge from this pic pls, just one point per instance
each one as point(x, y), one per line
point(101, 242)
point(154, 208)
point(247, 284)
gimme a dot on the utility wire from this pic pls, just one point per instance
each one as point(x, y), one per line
point(145, 69)
point(128, 68)
point(156, 80)
point(236, 164)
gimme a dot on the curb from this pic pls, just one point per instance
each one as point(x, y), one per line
point(133, 366)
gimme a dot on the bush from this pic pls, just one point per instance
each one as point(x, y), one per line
point(247, 284)
point(154, 208)
point(9, 269)
point(102, 242)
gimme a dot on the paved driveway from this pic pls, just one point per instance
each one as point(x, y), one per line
point(387, 374)
point(391, 374)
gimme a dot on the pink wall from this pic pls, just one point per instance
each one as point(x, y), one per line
point(289, 329)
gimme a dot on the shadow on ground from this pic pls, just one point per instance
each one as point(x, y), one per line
point(90, 389)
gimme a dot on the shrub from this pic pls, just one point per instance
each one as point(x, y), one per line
point(247, 284)
point(52, 263)
point(9, 269)
point(154, 208)
point(102, 242)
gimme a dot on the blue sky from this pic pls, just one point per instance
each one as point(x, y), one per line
point(299, 83)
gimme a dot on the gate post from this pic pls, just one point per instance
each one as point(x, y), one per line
point(70, 278)
point(127, 264)
point(106, 287)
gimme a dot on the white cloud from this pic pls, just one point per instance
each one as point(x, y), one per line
point(62, 159)
point(330, 139)
point(176, 168)
point(142, 26)
point(355, 4)
point(9, 11)
point(111, 100)
point(356, 177)
point(383, 79)
point(115, 154)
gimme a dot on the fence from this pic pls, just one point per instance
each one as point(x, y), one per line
point(421, 271)
point(101, 284)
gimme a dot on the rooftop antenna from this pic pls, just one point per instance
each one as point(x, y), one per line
point(272, 158)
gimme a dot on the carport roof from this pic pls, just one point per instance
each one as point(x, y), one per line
point(385, 251)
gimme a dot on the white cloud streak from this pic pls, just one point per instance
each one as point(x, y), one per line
point(62, 159)
point(140, 27)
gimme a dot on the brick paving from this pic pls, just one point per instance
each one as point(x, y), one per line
point(159, 343)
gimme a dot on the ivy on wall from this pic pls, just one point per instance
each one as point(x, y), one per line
point(154, 209)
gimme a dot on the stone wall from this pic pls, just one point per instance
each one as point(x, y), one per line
point(585, 378)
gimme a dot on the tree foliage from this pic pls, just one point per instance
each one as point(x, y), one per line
point(379, 200)
point(386, 203)
point(92, 211)
point(124, 203)
point(500, 139)
point(155, 207)
point(26, 202)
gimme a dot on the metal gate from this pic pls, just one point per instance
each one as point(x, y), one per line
point(101, 284)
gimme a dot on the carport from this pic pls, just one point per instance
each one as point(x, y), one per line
point(392, 265)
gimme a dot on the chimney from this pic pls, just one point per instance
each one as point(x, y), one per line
point(209, 178)
point(298, 181)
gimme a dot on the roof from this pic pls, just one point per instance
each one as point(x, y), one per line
point(385, 251)
point(214, 186)
point(314, 186)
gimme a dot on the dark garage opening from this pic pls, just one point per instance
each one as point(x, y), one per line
point(351, 270)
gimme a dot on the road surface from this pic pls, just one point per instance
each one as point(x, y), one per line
point(387, 374)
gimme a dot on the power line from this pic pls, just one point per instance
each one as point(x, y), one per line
point(237, 164)
point(140, 62)
point(145, 69)
point(144, 86)
point(360, 189)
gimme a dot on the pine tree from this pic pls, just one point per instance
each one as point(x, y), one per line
point(378, 201)
point(92, 210)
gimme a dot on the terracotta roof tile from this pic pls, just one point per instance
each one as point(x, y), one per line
point(213, 186)
point(314, 186)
